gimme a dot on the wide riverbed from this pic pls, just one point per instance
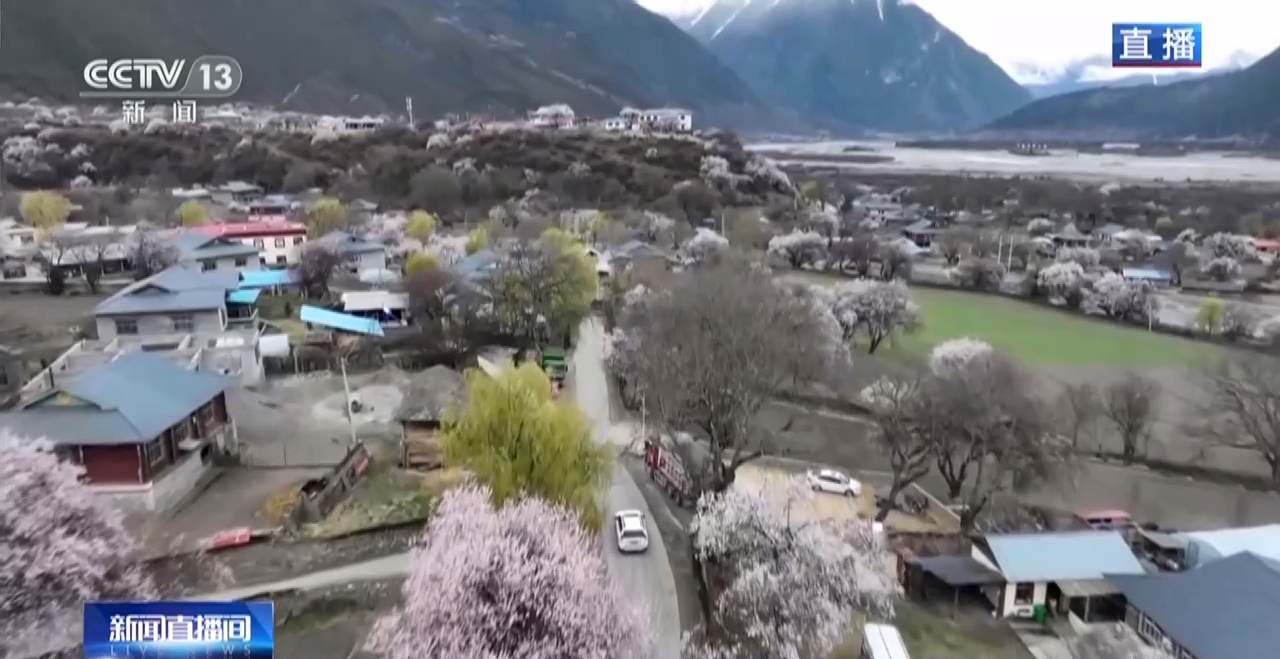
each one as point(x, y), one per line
point(1067, 164)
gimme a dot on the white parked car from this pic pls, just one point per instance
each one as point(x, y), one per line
point(630, 528)
point(834, 482)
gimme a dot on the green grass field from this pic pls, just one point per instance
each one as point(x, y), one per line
point(1043, 336)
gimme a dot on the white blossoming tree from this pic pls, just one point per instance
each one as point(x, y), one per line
point(1114, 296)
point(1117, 641)
point(704, 245)
point(1040, 226)
point(1060, 279)
point(1229, 245)
point(1223, 268)
point(1087, 257)
point(953, 355)
point(875, 309)
point(798, 248)
point(791, 586)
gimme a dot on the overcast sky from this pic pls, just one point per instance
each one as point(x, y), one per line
point(1048, 33)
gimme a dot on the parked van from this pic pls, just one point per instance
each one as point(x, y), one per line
point(882, 642)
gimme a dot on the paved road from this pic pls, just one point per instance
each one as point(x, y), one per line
point(647, 575)
point(376, 569)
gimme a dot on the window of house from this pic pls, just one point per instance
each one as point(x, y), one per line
point(281, 260)
point(297, 240)
point(280, 242)
point(208, 265)
point(1023, 594)
point(4, 377)
point(257, 242)
point(241, 262)
point(126, 326)
point(155, 453)
point(184, 323)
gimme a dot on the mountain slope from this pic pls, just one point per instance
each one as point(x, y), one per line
point(857, 64)
point(352, 56)
point(1085, 74)
point(1240, 103)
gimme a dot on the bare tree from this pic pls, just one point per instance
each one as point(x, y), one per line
point(895, 263)
point(92, 252)
point(1241, 408)
point(983, 274)
point(856, 253)
point(316, 265)
point(1080, 406)
point(990, 432)
point(148, 253)
point(55, 255)
point(895, 402)
point(1239, 321)
point(952, 244)
point(447, 317)
point(1131, 403)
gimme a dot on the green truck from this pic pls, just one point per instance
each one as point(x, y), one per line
point(554, 364)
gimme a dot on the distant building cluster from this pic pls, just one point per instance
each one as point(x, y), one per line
point(656, 120)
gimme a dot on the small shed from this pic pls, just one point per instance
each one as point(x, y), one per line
point(1059, 572)
point(422, 411)
point(1149, 275)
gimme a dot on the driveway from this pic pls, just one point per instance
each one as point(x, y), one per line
point(646, 576)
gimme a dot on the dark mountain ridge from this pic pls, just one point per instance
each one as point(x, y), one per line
point(1243, 103)
point(861, 65)
point(357, 56)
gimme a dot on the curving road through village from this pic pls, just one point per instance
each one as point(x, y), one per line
point(646, 577)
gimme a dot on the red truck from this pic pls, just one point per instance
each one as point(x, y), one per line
point(666, 469)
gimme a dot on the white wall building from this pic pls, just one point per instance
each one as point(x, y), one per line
point(659, 120)
point(553, 116)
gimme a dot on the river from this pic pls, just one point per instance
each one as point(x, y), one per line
point(1067, 164)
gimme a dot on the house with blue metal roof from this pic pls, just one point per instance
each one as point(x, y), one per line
point(143, 427)
point(178, 300)
point(1226, 609)
point(198, 249)
point(1056, 572)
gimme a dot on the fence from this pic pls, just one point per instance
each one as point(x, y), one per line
point(300, 363)
point(320, 496)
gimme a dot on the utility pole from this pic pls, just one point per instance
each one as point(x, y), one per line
point(408, 106)
point(346, 390)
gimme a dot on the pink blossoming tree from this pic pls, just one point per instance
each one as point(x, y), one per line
point(59, 546)
point(523, 581)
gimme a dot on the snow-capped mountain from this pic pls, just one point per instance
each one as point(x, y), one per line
point(1094, 72)
point(857, 64)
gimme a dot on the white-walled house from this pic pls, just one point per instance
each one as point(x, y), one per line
point(660, 120)
point(553, 116)
point(1060, 572)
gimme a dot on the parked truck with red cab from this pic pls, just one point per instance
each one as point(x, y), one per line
point(667, 470)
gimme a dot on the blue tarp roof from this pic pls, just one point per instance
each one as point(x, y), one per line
point(341, 321)
point(266, 278)
point(1068, 556)
point(244, 296)
point(1145, 273)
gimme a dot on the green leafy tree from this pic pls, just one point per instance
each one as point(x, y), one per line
point(520, 441)
point(421, 263)
point(327, 214)
point(45, 210)
point(478, 239)
point(421, 226)
point(192, 213)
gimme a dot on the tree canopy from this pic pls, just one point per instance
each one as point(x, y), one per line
point(519, 441)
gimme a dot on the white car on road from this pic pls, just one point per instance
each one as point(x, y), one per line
point(834, 482)
point(630, 528)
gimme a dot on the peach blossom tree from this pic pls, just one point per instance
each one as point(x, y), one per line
point(522, 581)
point(59, 547)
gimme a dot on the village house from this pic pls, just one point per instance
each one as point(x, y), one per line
point(658, 120)
point(16, 237)
point(1225, 609)
point(197, 248)
point(359, 254)
point(388, 308)
point(276, 243)
point(430, 396)
point(237, 192)
point(178, 299)
point(144, 429)
point(553, 116)
point(1155, 277)
point(880, 207)
point(1070, 236)
point(639, 259)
